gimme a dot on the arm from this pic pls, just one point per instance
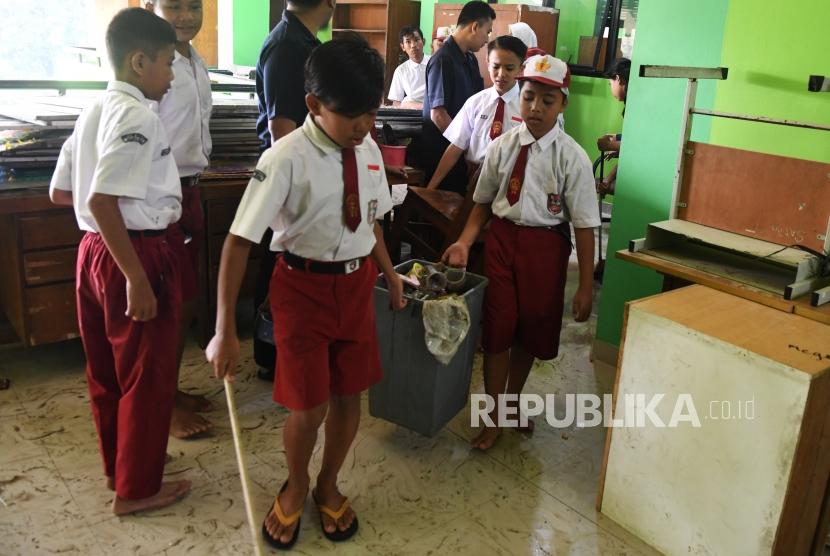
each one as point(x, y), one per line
point(61, 197)
point(223, 350)
point(608, 143)
point(606, 186)
point(381, 258)
point(141, 300)
point(282, 76)
point(280, 127)
point(440, 118)
point(585, 256)
point(457, 253)
point(411, 104)
point(396, 103)
point(451, 156)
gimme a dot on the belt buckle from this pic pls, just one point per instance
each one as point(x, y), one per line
point(351, 266)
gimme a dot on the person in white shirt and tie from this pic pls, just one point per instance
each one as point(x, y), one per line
point(409, 80)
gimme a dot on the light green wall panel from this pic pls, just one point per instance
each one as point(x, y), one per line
point(770, 49)
point(250, 27)
point(672, 33)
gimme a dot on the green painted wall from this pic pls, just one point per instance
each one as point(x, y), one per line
point(769, 59)
point(674, 33)
point(250, 27)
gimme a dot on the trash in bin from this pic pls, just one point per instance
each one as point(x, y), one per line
point(417, 391)
point(446, 323)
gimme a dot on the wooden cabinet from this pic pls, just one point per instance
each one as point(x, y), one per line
point(745, 470)
point(543, 21)
point(379, 22)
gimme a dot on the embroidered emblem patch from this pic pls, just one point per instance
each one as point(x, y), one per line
point(516, 119)
point(496, 128)
point(514, 186)
point(483, 116)
point(165, 151)
point(134, 138)
point(373, 211)
point(353, 206)
point(258, 175)
point(542, 65)
point(554, 203)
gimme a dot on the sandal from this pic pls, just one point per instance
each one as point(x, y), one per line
point(337, 535)
point(285, 521)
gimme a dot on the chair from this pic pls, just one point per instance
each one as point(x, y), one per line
point(446, 211)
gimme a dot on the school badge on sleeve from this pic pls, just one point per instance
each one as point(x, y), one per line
point(372, 212)
point(554, 203)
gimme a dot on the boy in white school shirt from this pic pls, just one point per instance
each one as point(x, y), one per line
point(536, 182)
point(410, 78)
point(118, 172)
point(185, 112)
point(321, 189)
point(487, 114)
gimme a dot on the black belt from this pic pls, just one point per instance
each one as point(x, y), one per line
point(147, 233)
point(319, 267)
point(190, 181)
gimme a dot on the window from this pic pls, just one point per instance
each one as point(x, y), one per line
point(586, 34)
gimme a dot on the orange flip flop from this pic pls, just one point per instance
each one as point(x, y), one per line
point(337, 535)
point(285, 521)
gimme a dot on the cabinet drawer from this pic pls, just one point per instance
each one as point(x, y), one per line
point(51, 312)
point(43, 267)
point(49, 230)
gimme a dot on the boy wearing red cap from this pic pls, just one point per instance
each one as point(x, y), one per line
point(536, 182)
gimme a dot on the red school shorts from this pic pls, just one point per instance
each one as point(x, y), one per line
point(324, 329)
point(524, 301)
point(191, 225)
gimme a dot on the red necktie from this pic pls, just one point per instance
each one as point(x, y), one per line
point(517, 176)
point(351, 195)
point(498, 120)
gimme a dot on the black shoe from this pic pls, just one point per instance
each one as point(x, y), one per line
point(265, 374)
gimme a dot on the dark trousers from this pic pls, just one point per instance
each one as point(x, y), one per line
point(265, 354)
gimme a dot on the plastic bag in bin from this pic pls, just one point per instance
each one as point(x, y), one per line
point(446, 323)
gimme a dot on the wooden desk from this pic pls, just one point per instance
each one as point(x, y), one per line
point(676, 275)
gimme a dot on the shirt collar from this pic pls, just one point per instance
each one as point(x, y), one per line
point(194, 56)
point(423, 61)
point(318, 137)
point(512, 94)
point(131, 90)
point(454, 49)
point(526, 138)
point(293, 21)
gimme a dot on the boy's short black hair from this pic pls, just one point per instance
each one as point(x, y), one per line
point(346, 74)
point(508, 42)
point(621, 67)
point(137, 29)
point(407, 30)
point(475, 11)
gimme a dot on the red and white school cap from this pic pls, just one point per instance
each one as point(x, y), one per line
point(548, 70)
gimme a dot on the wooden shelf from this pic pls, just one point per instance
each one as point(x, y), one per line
point(383, 31)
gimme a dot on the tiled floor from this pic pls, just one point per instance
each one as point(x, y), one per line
point(414, 495)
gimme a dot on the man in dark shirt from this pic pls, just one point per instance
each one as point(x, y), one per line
point(279, 71)
point(281, 93)
point(453, 76)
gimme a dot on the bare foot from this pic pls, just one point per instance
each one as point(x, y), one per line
point(110, 482)
point(486, 438)
point(167, 495)
point(331, 497)
point(186, 424)
point(291, 499)
point(193, 402)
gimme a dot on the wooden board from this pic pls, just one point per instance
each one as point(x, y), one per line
point(778, 199)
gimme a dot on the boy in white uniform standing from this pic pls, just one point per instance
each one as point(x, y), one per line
point(410, 78)
point(535, 183)
point(117, 170)
point(185, 112)
point(487, 114)
point(321, 189)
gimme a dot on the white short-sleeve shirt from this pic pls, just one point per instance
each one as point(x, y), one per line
point(119, 147)
point(185, 111)
point(409, 82)
point(297, 191)
point(558, 184)
point(470, 129)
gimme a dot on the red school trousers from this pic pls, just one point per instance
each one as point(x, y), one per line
point(131, 366)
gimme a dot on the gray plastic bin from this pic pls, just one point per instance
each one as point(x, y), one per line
point(417, 391)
